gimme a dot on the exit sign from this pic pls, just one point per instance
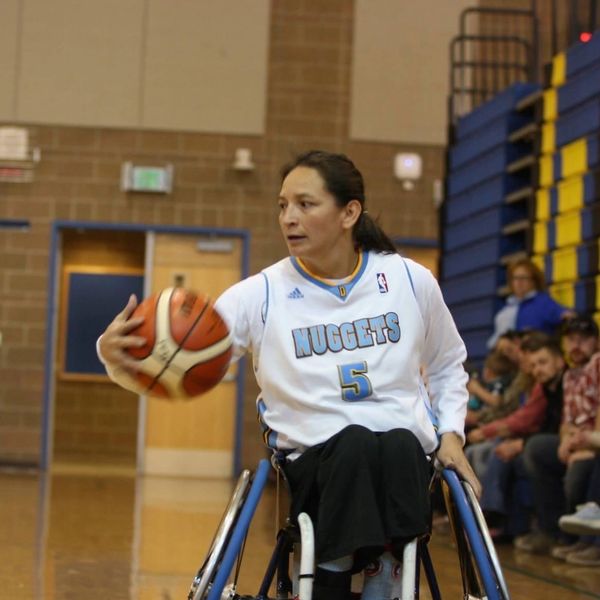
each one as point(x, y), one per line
point(156, 180)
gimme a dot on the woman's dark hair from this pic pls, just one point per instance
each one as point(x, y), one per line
point(345, 182)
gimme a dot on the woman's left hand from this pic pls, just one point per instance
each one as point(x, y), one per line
point(451, 455)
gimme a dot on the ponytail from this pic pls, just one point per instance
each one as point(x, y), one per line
point(368, 235)
point(345, 182)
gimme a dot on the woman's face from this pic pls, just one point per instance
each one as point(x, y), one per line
point(311, 222)
point(521, 282)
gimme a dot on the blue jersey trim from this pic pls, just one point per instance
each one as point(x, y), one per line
point(269, 435)
point(412, 285)
point(340, 289)
point(426, 399)
point(265, 306)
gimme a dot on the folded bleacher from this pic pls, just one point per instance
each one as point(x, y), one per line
point(524, 180)
point(485, 220)
point(567, 226)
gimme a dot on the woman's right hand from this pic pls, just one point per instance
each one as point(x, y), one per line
point(114, 341)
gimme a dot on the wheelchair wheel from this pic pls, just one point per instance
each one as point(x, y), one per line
point(200, 585)
point(480, 568)
point(231, 534)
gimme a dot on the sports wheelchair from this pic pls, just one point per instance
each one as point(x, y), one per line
point(292, 560)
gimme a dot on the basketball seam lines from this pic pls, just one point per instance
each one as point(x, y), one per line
point(166, 365)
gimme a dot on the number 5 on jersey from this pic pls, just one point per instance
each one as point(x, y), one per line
point(355, 384)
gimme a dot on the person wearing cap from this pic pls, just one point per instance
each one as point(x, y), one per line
point(560, 472)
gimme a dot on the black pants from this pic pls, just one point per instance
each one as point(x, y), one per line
point(362, 490)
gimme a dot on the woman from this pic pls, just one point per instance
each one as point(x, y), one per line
point(529, 306)
point(338, 331)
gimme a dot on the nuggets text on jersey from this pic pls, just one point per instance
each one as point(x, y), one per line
point(362, 333)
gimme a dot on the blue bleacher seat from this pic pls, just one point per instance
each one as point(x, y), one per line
point(582, 55)
point(482, 225)
point(476, 314)
point(477, 284)
point(489, 111)
point(485, 253)
point(579, 122)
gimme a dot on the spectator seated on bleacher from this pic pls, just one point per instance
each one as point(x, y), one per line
point(519, 387)
point(506, 499)
point(497, 373)
point(529, 306)
point(585, 522)
point(558, 470)
point(515, 395)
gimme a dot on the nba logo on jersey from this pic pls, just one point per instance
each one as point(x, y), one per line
point(382, 283)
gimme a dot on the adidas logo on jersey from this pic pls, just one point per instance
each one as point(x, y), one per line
point(295, 294)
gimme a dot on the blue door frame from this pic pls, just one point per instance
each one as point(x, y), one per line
point(57, 227)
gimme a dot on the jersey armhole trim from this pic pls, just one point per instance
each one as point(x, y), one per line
point(265, 306)
point(412, 285)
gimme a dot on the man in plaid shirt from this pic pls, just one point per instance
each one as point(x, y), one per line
point(559, 473)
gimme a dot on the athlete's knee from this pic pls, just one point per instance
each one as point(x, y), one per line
point(400, 442)
point(356, 440)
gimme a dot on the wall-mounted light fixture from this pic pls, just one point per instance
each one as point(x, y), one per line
point(242, 160)
point(408, 168)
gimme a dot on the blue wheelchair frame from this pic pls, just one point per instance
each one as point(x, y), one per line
point(480, 569)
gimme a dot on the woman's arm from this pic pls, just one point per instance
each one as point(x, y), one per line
point(443, 355)
point(452, 456)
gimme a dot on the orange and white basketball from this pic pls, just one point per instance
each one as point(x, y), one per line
point(188, 347)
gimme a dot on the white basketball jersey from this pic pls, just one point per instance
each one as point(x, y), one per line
point(339, 353)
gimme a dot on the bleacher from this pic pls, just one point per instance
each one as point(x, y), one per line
point(567, 207)
point(524, 180)
point(484, 224)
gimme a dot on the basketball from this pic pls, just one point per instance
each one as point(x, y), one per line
point(187, 350)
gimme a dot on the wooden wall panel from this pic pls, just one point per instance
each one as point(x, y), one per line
point(9, 28)
point(206, 66)
point(80, 62)
point(400, 69)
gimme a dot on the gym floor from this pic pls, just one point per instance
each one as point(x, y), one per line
point(83, 533)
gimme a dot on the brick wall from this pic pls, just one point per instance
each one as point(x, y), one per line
point(78, 179)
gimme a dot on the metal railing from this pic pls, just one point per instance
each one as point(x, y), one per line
point(495, 47)
point(498, 46)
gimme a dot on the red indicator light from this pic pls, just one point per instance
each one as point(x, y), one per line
point(584, 37)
